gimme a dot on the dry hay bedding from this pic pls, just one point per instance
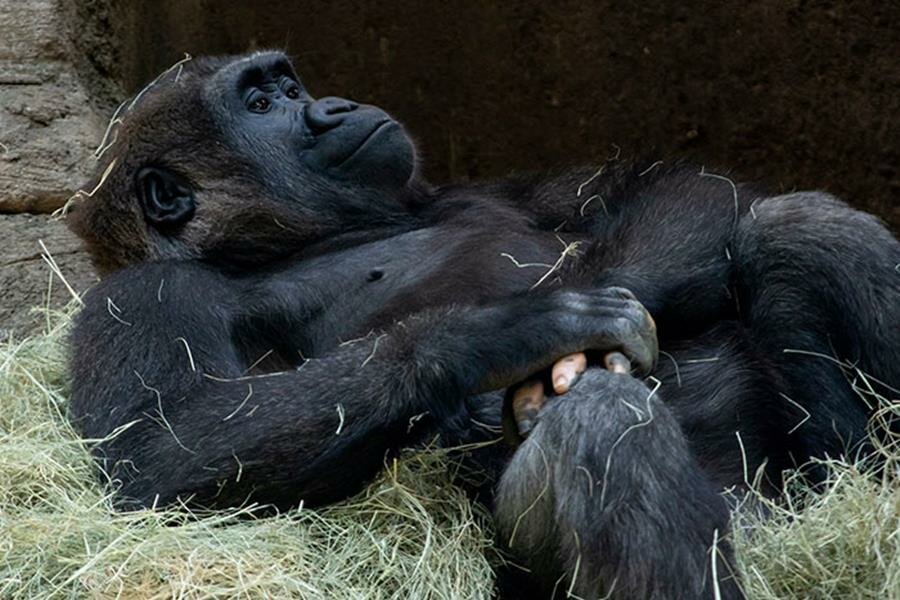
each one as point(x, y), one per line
point(411, 534)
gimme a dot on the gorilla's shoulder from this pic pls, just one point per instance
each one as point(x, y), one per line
point(156, 291)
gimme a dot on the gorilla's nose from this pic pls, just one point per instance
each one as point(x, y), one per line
point(328, 113)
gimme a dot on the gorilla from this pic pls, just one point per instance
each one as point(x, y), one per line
point(285, 300)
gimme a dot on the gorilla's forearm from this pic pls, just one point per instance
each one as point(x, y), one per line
point(155, 360)
point(664, 231)
point(160, 373)
point(606, 483)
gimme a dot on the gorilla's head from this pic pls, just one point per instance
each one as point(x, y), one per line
point(232, 159)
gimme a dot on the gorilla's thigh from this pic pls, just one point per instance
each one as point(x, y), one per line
point(606, 485)
point(819, 279)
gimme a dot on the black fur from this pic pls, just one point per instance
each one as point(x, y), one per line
point(222, 355)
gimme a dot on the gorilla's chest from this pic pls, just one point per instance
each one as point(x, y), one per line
point(349, 293)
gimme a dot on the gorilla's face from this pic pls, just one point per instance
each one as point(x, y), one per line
point(271, 118)
point(232, 157)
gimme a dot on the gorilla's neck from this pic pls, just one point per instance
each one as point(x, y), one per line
point(378, 214)
point(473, 206)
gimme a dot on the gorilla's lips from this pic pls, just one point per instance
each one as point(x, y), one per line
point(369, 139)
point(380, 153)
point(368, 146)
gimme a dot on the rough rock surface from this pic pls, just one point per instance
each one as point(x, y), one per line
point(48, 131)
point(25, 278)
point(47, 128)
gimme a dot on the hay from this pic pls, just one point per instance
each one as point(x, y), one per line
point(411, 534)
point(843, 543)
point(840, 541)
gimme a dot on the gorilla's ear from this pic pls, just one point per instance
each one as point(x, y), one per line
point(166, 198)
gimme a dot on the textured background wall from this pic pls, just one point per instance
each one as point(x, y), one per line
point(796, 94)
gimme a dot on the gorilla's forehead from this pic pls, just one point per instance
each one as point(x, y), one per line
point(211, 80)
point(235, 71)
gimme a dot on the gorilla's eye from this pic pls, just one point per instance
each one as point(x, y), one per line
point(259, 105)
point(293, 92)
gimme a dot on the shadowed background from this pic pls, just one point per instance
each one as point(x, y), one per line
point(795, 94)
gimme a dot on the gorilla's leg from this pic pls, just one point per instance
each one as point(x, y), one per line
point(605, 497)
point(817, 279)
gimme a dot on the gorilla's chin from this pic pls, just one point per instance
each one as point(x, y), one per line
point(386, 157)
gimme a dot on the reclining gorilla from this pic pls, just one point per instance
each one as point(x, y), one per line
point(245, 229)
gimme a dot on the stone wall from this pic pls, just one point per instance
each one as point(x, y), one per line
point(792, 93)
point(47, 127)
point(26, 280)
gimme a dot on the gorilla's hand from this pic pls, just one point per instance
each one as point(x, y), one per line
point(524, 402)
point(568, 369)
point(537, 332)
point(465, 352)
point(637, 342)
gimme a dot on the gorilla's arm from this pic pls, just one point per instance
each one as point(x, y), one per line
point(664, 231)
point(691, 242)
point(157, 371)
point(156, 356)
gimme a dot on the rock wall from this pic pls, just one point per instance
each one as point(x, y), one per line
point(48, 131)
point(47, 128)
point(26, 280)
point(796, 94)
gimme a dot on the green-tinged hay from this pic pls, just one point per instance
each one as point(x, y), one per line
point(844, 543)
point(411, 534)
point(841, 540)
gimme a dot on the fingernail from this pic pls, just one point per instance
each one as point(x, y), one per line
point(561, 383)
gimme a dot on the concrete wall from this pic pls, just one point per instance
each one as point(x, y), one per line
point(796, 94)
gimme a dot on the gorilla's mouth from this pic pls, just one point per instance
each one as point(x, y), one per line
point(369, 140)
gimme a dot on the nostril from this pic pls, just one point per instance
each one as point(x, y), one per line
point(339, 105)
point(328, 113)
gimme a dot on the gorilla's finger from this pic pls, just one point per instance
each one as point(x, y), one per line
point(566, 371)
point(527, 402)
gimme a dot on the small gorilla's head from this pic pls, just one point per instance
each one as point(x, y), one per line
point(232, 159)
